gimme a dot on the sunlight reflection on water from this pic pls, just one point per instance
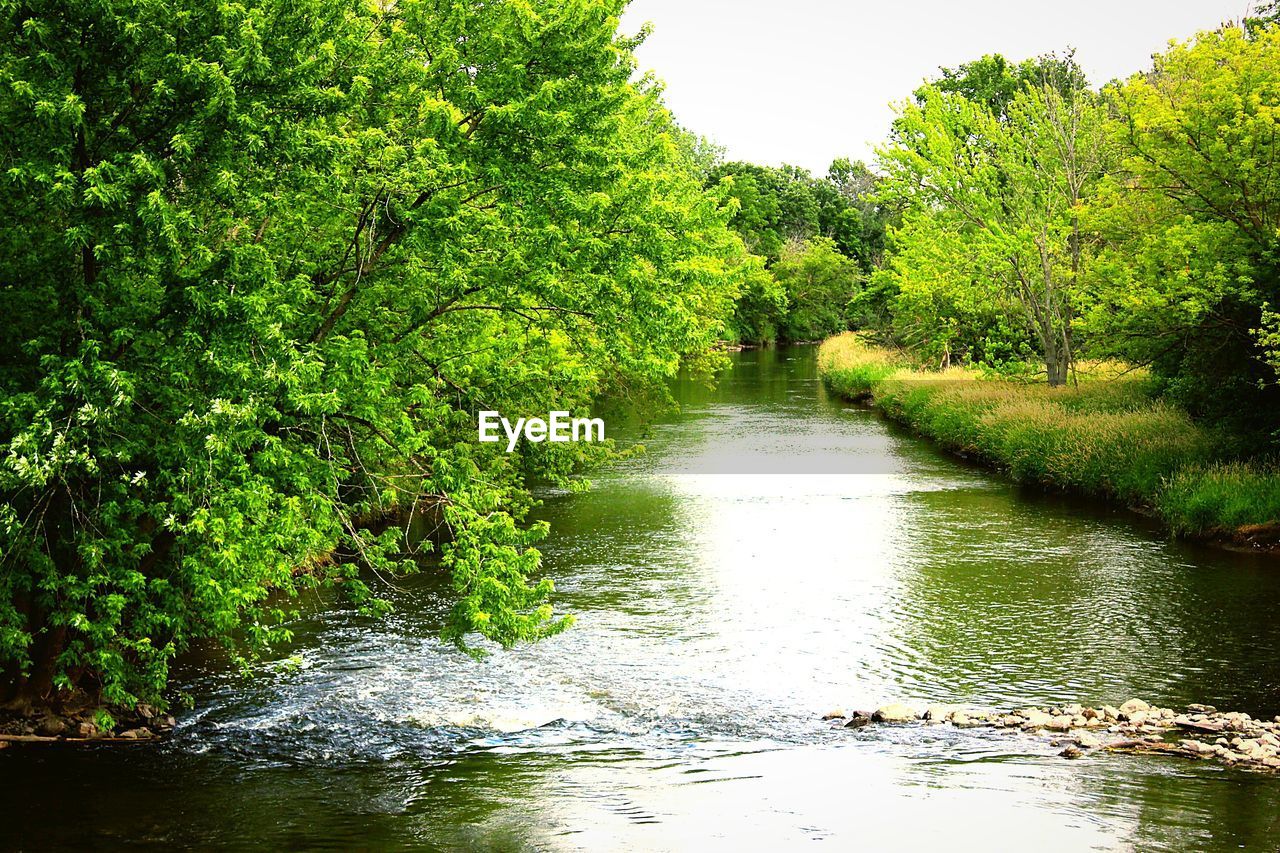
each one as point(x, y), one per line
point(773, 555)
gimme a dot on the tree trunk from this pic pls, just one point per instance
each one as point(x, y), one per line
point(35, 690)
point(1057, 359)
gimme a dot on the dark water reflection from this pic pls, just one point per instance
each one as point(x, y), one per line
point(774, 554)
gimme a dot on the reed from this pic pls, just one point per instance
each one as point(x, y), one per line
point(1107, 436)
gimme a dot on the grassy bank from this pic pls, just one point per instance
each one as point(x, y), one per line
point(1107, 437)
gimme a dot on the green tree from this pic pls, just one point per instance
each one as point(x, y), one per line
point(1189, 223)
point(775, 205)
point(857, 222)
point(818, 282)
point(761, 304)
point(994, 82)
point(268, 259)
point(1006, 193)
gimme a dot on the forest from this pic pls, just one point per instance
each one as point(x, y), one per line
point(265, 265)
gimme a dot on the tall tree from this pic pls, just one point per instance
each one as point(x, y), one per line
point(1010, 187)
point(267, 261)
point(1190, 222)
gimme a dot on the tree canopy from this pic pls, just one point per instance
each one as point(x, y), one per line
point(265, 263)
point(1044, 218)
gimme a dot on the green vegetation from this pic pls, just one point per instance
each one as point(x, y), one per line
point(1045, 221)
point(1041, 226)
point(852, 368)
point(266, 260)
point(815, 241)
point(1104, 436)
point(1239, 497)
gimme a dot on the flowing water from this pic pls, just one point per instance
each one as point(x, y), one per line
point(773, 555)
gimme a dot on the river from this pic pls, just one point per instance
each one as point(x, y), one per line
point(773, 555)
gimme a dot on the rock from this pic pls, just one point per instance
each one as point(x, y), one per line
point(1073, 710)
point(1060, 723)
point(1110, 713)
point(939, 713)
point(51, 727)
point(1236, 722)
point(165, 723)
point(1071, 752)
point(836, 714)
point(1091, 713)
point(1036, 719)
point(145, 711)
point(1137, 718)
point(858, 720)
point(136, 734)
point(895, 712)
point(1011, 720)
point(1250, 749)
point(1197, 725)
point(1133, 706)
point(86, 729)
point(1087, 740)
point(1201, 709)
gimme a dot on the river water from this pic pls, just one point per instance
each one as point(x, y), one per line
point(773, 555)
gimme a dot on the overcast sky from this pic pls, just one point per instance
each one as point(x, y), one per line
point(805, 81)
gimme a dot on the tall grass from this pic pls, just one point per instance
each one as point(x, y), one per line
point(1107, 436)
point(1241, 498)
point(850, 367)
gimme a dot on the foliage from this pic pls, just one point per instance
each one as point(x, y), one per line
point(785, 205)
point(856, 220)
point(266, 261)
point(774, 206)
point(995, 83)
point(1191, 250)
point(818, 282)
point(944, 307)
point(816, 238)
point(992, 225)
point(761, 304)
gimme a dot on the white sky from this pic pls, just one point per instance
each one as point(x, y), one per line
point(805, 81)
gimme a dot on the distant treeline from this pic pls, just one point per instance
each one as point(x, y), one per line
point(1020, 220)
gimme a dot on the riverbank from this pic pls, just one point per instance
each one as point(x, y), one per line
point(85, 723)
point(1107, 436)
